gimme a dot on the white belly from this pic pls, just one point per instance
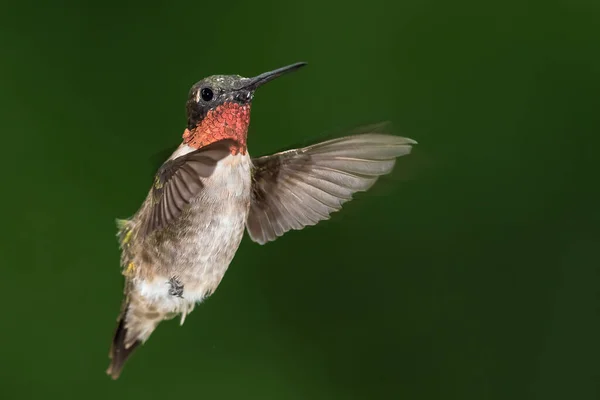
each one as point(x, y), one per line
point(206, 247)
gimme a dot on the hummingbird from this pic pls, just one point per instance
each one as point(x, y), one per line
point(177, 247)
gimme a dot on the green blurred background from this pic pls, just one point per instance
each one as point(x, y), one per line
point(471, 272)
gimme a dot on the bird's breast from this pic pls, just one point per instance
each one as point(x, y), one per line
point(199, 250)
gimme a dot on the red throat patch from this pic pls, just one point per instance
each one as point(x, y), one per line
point(227, 121)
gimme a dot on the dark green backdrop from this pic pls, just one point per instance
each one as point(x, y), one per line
point(472, 272)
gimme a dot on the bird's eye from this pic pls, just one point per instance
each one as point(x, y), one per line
point(206, 93)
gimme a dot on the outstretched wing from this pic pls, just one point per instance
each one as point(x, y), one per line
point(301, 187)
point(178, 181)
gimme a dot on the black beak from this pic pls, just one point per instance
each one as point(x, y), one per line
point(253, 83)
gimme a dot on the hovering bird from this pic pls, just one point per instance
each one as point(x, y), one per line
point(176, 248)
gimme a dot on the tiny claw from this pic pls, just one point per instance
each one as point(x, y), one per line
point(183, 315)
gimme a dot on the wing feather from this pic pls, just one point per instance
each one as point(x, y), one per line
point(298, 188)
point(179, 181)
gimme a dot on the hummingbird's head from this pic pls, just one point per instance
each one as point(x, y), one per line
point(218, 107)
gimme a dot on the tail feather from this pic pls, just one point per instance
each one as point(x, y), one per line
point(119, 351)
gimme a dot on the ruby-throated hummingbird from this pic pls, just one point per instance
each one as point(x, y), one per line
point(177, 247)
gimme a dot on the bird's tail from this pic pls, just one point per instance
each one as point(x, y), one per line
point(120, 350)
point(137, 321)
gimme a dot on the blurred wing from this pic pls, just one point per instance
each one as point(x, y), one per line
point(301, 187)
point(178, 181)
